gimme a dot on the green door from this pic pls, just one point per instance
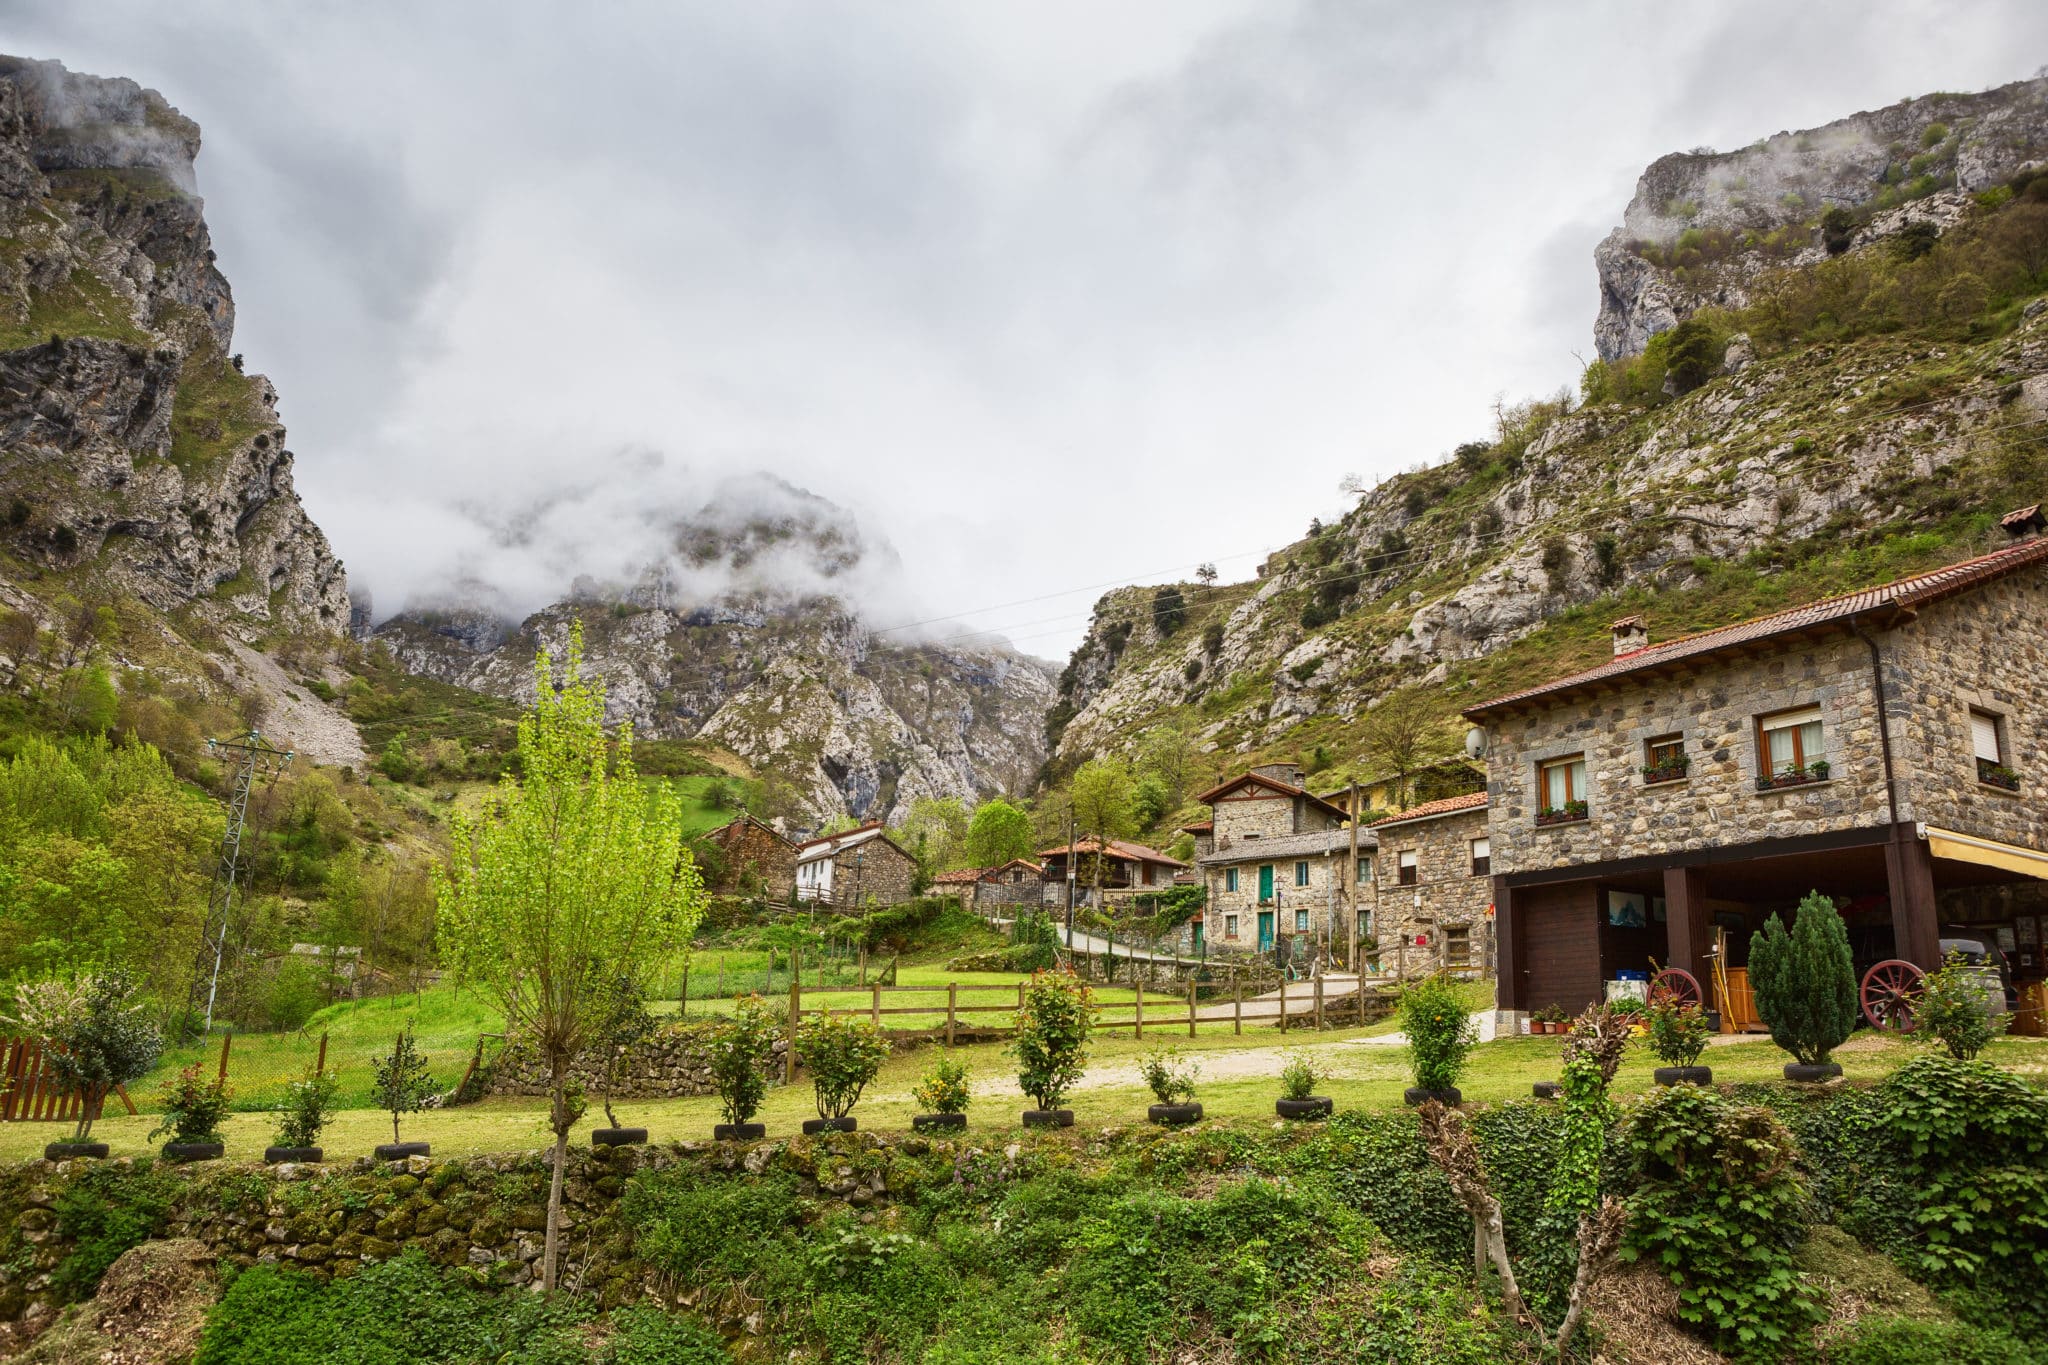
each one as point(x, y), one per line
point(1266, 929)
point(1265, 883)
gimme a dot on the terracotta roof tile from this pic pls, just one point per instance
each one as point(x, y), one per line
point(1429, 810)
point(1118, 848)
point(1903, 594)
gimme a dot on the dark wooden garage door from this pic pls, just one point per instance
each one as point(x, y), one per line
point(1561, 943)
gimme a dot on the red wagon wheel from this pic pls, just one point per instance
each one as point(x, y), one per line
point(1891, 992)
point(1677, 986)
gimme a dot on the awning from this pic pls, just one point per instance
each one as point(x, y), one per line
point(1968, 848)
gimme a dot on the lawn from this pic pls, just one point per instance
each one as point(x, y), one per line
point(1367, 1071)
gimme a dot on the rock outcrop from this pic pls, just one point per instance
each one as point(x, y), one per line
point(1704, 224)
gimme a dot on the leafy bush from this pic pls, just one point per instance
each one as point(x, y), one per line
point(707, 1231)
point(1299, 1076)
point(843, 1055)
point(400, 1080)
point(1678, 1032)
point(1169, 1076)
point(99, 1036)
point(103, 1213)
point(1051, 1045)
point(1887, 1340)
point(1805, 980)
point(739, 1052)
point(307, 1105)
point(1719, 1207)
point(1953, 1011)
point(1440, 1032)
point(192, 1106)
point(943, 1088)
point(647, 1336)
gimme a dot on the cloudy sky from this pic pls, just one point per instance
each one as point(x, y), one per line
point(1053, 295)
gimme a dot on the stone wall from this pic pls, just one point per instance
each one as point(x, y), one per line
point(1445, 893)
point(1267, 816)
point(671, 1063)
point(1715, 709)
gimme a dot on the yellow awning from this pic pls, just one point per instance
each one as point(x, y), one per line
point(1968, 848)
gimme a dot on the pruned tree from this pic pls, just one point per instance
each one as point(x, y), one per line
point(571, 876)
point(1403, 734)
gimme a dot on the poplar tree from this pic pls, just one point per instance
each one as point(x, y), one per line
point(573, 877)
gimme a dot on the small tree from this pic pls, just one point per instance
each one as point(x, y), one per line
point(842, 1054)
point(739, 1050)
point(1805, 980)
point(400, 1080)
point(193, 1107)
point(1953, 1011)
point(1169, 1076)
point(308, 1103)
point(1440, 1032)
point(1299, 1077)
point(998, 833)
point(943, 1088)
point(1405, 732)
point(623, 1024)
point(1051, 1047)
point(97, 1036)
point(1105, 797)
point(1678, 1032)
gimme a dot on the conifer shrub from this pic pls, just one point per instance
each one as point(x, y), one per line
point(1805, 980)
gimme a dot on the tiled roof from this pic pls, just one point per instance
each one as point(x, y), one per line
point(1830, 611)
point(960, 876)
point(1318, 842)
point(1117, 849)
point(1208, 798)
point(1430, 810)
point(832, 845)
point(1200, 827)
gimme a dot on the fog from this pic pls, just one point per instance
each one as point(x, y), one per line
point(1049, 296)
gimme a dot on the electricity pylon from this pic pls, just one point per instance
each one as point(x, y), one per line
point(253, 756)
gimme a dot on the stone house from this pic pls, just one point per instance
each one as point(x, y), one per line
point(1432, 890)
point(854, 869)
point(1013, 883)
point(1279, 865)
point(1887, 748)
point(757, 861)
point(1128, 870)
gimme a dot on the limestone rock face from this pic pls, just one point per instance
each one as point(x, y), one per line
point(1703, 224)
point(137, 452)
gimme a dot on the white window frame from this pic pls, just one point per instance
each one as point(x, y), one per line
point(1406, 862)
point(1573, 767)
point(1482, 847)
point(1230, 926)
point(1794, 725)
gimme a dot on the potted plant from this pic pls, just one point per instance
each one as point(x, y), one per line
point(943, 1094)
point(1051, 1046)
point(1440, 1034)
point(1299, 1077)
point(1954, 1011)
point(842, 1055)
point(1678, 1035)
point(622, 1024)
point(307, 1105)
point(95, 1039)
point(1804, 982)
point(192, 1111)
point(1670, 770)
point(1565, 814)
point(1171, 1078)
point(740, 1051)
point(1998, 775)
point(402, 1085)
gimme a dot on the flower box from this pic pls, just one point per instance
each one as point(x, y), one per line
point(1794, 777)
point(1562, 815)
point(1674, 771)
point(1998, 775)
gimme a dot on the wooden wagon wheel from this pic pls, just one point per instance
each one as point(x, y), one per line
point(1891, 992)
point(1677, 986)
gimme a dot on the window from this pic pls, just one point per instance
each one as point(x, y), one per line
point(1561, 784)
point(1301, 874)
point(1410, 873)
point(1230, 884)
point(1301, 921)
point(1987, 742)
point(1790, 742)
point(1664, 758)
point(1230, 921)
point(1482, 856)
point(1364, 871)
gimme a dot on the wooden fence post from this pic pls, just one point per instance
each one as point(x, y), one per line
point(952, 999)
point(875, 1015)
point(321, 1066)
point(1236, 1003)
point(1138, 1019)
point(796, 992)
point(1319, 1002)
point(1359, 967)
point(225, 1040)
point(683, 1001)
point(1283, 1003)
point(1191, 1005)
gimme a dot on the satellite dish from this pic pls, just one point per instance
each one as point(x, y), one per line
point(1475, 742)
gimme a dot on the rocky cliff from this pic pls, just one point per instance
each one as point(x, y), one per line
point(141, 462)
point(1704, 225)
point(746, 636)
point(1869, 412)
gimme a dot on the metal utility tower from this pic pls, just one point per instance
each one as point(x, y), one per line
point(252, 755)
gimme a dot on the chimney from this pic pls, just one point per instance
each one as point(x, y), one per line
point(1630, 635)
point(2023, 523)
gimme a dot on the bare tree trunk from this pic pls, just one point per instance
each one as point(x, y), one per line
point(559, 1114)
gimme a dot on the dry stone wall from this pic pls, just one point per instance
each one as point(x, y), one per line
point(672, 1063)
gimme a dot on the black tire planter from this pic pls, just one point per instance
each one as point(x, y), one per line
point(1684, 1075)
point(71, 1151)
point(1173, 1115)
point(1048, 1118)
point(194, 1151)
point(399, 1151)
point(1547, 1090)
point(813, 1127)
point(1802, 1074)
point(738, 1132)
point(273, 1155)
point(1314, 1107)
point(1451, 1096)
point(618, 1137)
point(937, 1123)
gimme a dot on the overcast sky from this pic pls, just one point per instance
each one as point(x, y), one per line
point(1053, 295)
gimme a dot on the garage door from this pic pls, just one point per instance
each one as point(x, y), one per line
point(1561, 945)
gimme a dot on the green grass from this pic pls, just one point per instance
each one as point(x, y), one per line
point(215, 410)
point(83, 306)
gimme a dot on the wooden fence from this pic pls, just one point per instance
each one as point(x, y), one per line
point(32, 1091)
